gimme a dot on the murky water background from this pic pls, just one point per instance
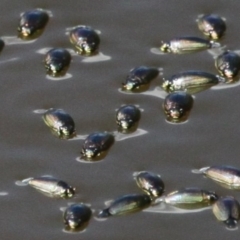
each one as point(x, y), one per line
point(129, 29)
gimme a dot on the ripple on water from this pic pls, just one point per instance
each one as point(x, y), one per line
point(120, 136)
point(65, 77)
point(100, 57)
point(164, 208)
point(3, 194)
point(12, 40)
point(39, 111)
point(73, 232)
point(157, 51)
point(156, 92)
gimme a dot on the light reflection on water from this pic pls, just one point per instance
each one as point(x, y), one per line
point(73, 232)
point(164, 208)
point(96, 58)
point(3, 194)
point(225, 86)
point(9, 60)
point(156, 92)
point(118, 136)
point(11, 40)
point(157, 51)
point(67, 76)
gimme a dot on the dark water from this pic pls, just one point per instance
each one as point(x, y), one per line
point(129, 29)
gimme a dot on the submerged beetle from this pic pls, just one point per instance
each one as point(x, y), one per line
point(126, 204)
point(183, 45)
point(228, 64)
point(191, 198)
point(85, 40)
point(226, 176)
point(177, 106)
point(32, 23)
point(77, 216)
point(150, 183)
point(57, 61)
point(127, 118)
point(60, 122)
point(139, 78)
point(212, 26)
point(96, 145)
point(227, 210)
point(52, 187)
point(191, 81)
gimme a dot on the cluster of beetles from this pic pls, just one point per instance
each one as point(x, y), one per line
point(177, 106)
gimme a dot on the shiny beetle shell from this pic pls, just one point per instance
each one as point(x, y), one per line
point(125, 205)
point(32, 23)
point(226, 209)
point(127, 117)
point(191, 81)
point(60, 122)
point(85, 40)
point(183, 45)
point(77, 216)
point(57, 61)
point(139, 78)
point(96, 145)
point(52, 187)
point(228, 64)
point(226, 176)
point(191, 198)
point(150, 183)
point(212, 26)
point(177, 106)
point(2, 44)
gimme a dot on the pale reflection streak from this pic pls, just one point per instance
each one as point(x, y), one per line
point(156, 92)
point(67, 76)
point(3, 194)
point(120, 136)
point(11, 40)
point(9, 60)
point(96, 58)
point(156, 51)
point(164, 208)
point(73, 232)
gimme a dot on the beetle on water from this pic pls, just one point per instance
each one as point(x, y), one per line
point(85, 39)
point(191, 198)
point(226, 176)
point(96, 145)
point(227, 210)
point(177, 106)
point(32, 24)
point(139, 79)
point(183, 45)
point(191, 81)
point(228, 64)
point(77, 216)
point(60, 122)
point(52, 187)
point(127, 118)
point(150, 183)
point(125, 205)
point(57, 61)
point(212, 26)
